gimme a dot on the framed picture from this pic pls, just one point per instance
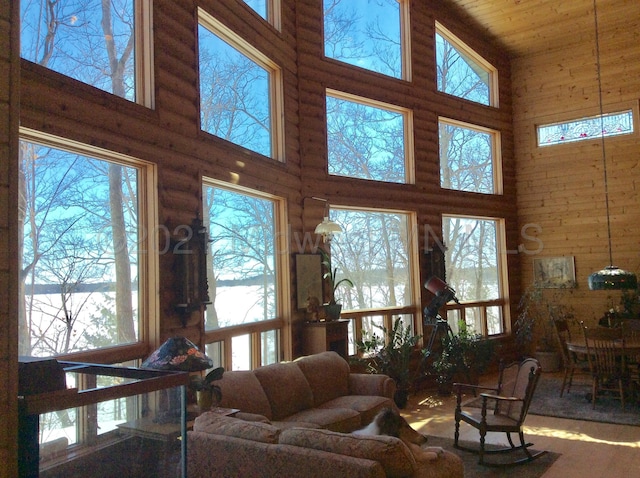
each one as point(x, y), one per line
point(554, 272)
point(308, 278)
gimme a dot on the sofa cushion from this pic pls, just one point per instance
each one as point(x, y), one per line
point(286, 389)
point(336, 419)
point(242, 390)
point(215, 424)
point(327, 374)
point(390, 452)
point(367, 406)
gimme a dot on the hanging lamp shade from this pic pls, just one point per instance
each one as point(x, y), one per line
point(612, 278)
point(328, 229)
point(180, 354)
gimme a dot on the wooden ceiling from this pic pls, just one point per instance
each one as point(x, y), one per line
point(529, 27)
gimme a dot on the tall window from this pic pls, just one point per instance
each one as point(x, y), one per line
point(371, 34)
point(462, 72)
point(368, 140)
point(83, 248)
point(98, 43)
point(469, 157)
point(476, 271)
point(242, 272)
point(240, 90)
point(376, 251)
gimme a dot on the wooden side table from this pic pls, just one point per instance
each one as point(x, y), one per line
point(329, 335)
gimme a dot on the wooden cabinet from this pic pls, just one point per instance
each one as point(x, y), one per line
point(322, 336)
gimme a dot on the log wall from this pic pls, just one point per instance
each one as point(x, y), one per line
point(169, 135)
point(9, 121)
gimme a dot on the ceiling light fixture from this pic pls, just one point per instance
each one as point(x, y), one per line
point(611, 277)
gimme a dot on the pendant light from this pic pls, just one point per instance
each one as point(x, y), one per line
point(611, 277)
point(327, 228)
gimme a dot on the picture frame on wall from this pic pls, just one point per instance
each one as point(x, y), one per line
point(308, 278)
point(554, 272)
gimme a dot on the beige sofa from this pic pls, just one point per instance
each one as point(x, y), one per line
point(294, 421)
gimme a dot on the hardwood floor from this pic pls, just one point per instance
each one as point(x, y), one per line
point(588, 449)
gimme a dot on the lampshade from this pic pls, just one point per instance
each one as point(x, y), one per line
point(612, 278)
point(327, 229)
point(178, 353)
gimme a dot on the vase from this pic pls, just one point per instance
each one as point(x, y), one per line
point(204, 399)
point(549, 360)
point(332, 311)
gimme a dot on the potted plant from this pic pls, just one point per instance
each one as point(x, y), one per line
point(464, 357)
point(390, 354)
point(534, 330)
point(332, 308)
point(207, 392)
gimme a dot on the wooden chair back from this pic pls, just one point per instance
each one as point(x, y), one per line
point(606, 347)
point(517, 380)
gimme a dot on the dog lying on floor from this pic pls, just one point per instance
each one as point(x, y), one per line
point(389, 422)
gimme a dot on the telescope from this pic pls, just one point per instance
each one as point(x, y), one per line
point(443, 294)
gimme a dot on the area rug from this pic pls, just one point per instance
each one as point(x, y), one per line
point(547, 402)
point(533, 469)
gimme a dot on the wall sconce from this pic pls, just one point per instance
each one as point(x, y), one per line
point(192, 288)
point(327, 228)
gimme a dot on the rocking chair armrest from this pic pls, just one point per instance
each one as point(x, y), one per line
point(468, 386)
point(500, 397)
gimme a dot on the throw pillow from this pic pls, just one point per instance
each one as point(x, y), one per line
point(390, 452)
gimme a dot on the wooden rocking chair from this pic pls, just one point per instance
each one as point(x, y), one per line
point(502, 411)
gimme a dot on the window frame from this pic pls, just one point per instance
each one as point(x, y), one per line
point(496, 153)
point(597, 117)
point(148, 268)
point(404, 20)
point(407, 132)
point(457, 311)
point(387, 314)
point(276, 87)
point(466, 51)
point(143, 57)
point(224, 336)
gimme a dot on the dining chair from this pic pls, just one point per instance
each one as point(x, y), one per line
point(607, 355)
point(631, 331)
point(504, 410)
point(573, 363)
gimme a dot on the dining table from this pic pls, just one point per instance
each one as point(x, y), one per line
point(631, 346)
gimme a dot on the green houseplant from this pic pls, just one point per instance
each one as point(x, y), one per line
point(390, 354)
point(332, 308)
point(534, 329)
point(464, 356)
point(207, 392)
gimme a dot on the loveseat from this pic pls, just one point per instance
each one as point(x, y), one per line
point(295, 420)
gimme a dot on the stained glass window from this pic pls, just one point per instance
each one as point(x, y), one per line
point(611, 124)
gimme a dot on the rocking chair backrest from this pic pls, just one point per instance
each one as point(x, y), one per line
point(518, 380)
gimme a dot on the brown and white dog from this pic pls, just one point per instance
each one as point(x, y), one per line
point(389, 422)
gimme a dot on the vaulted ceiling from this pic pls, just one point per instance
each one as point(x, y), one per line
point(529, 27)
